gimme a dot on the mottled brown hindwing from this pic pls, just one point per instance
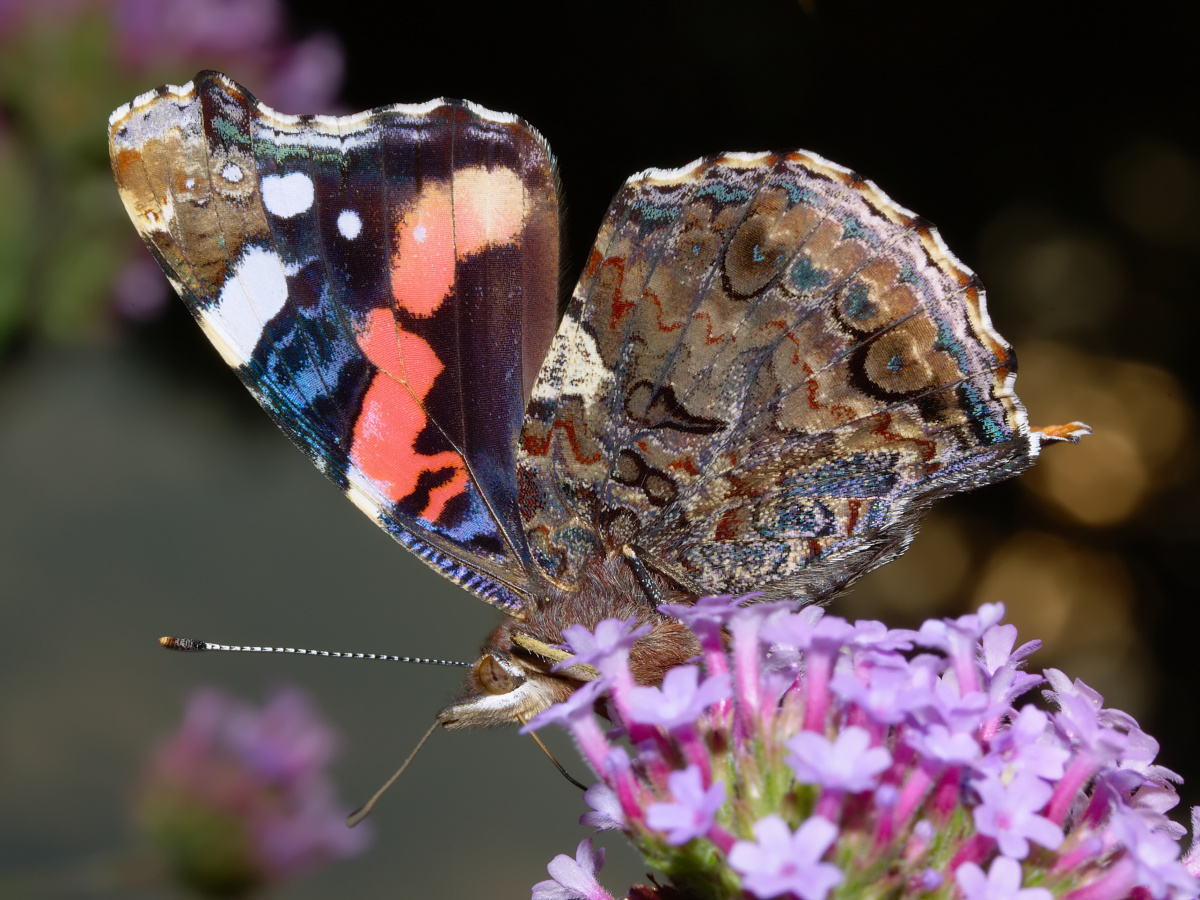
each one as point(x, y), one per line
point(767, 369)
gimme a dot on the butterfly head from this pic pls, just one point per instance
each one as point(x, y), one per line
point(506, 687)
point(525, 666)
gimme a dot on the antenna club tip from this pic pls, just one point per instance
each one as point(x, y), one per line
point(177, 643)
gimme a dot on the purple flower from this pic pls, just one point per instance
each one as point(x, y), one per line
point(312, 833)
point(707, 618)
point(1081, 720)
point(1062, 686)
point(708, 614)
point(877, 636)
point(618, 769)
point(1155, 856)
point(1156, 800)
point(809, 629)
point(606, 805)
point(1002, 666)
point(946, 634)
point(577, 706)
point(1031, 744)
point(778, 861)
point(680, 701)
point(939, 744)
point(286, 741)
point(257, 779)
point(958, 710)
point(794, 629)
point(302, 76)
point(214, 27)
point(139, 292)
point(1008, 813)
point(744, 628)
point(309, 74)
point(1007, 684)
point(881, 689)
point(1140, 750)
point(693, 811)
point(1002, 882)
point(848, 763)
point(607, 647)
point(576, 715)
point(574, 879)
point(958, 637)
point(1192, 861)
point(997, 648)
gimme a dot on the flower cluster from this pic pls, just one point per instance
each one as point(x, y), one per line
point(239, 798)
point(806, 756)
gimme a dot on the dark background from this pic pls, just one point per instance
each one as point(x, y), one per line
point(1055, 145)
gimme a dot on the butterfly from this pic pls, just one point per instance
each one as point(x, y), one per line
point(767, 371)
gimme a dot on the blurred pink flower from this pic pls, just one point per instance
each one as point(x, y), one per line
point(153, 29)
point(140, 292)
point(239, 798)
point(248, 36)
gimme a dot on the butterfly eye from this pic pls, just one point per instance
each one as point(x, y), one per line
point(493, 677)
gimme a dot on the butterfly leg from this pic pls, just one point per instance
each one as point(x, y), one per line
point(644, 579)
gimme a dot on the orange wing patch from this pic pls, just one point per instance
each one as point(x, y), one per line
point(445, 223)
point(392, 417)
point(449, 221)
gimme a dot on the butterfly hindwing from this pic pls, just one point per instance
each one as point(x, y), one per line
point(384, 284)
point(766, 371)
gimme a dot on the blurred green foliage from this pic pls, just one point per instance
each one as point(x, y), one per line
point(65, 240)
point(62, 232)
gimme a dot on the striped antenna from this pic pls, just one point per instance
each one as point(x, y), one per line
point(188, 645)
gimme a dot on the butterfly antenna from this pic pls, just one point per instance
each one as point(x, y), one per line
point(188, 645)
point(565, 774)
point(365, 810)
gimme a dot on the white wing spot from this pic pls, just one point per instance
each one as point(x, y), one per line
point(349, 224)
point(231, 173)
point(573, 366)
point(419, 234)
point(251, 297)
point(190, 183)
point(287, 195)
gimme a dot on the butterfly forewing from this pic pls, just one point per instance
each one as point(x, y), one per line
point(385, 284)
point(766, 371)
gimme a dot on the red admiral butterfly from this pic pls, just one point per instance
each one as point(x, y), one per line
point(767, 370)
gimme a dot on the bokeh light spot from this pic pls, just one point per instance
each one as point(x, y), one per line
point(1079, 602)
point(1140, 423)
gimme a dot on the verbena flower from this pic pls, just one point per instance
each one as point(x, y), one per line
point(805, 756)
point(779, 861)
point(574, 878)
point(239, 798)
point(692, 811)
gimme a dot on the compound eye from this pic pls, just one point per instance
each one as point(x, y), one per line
point(493, 677)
